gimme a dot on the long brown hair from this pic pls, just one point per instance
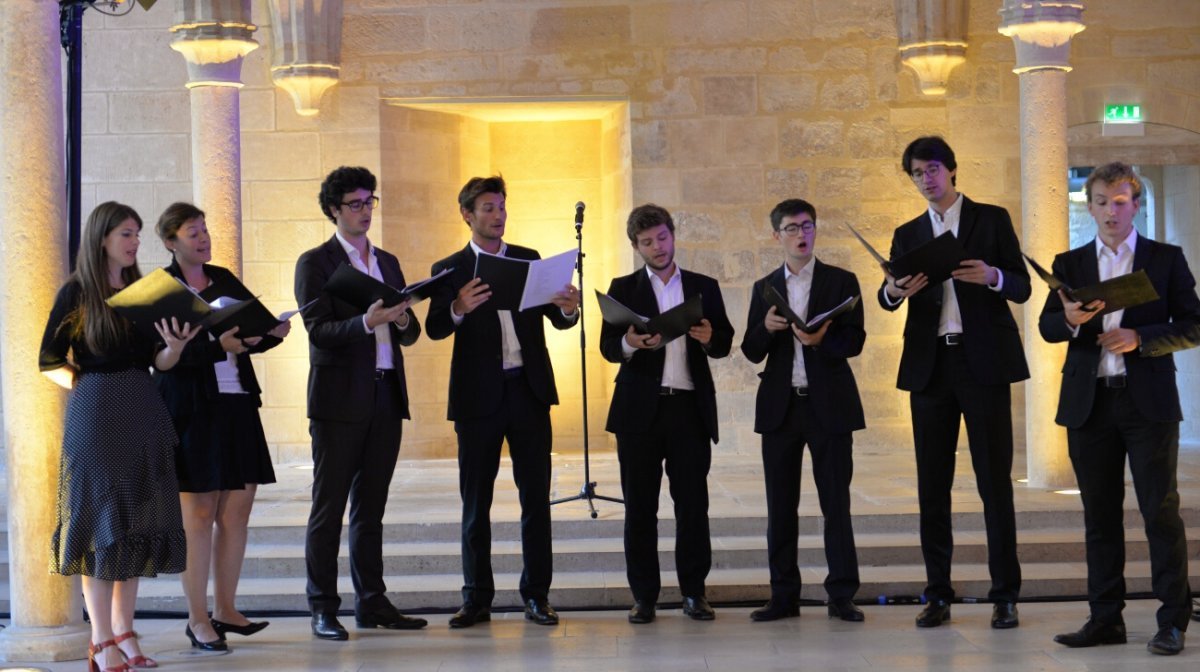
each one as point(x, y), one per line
point(99, 326)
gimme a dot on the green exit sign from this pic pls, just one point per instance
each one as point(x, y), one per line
point(1123, 114)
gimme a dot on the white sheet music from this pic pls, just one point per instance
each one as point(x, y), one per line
point(547, 277)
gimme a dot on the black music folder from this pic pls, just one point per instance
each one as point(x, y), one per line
point(361, 290)
point(783, 308)
point(670, 325)
point(936, 258)
point(1119, 293)
point(520, 284)
point(159, 296)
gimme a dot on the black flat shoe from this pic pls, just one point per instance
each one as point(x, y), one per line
point(934, 614)
point(244, 630)
point(1168, 641)
point(774, 610)
point(698, 609)
point(215, 645)
point(1093, 634)
point(846, 610)
point(540, 612)
point(641, 613)
point(326, 626)
point(469, 614)
point(1004, 615)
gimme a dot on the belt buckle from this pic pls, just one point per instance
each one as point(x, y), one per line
point(800, 391)
point(951, 339)
point(1115, 382)
point(380, 374)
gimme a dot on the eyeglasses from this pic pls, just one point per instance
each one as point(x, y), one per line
point(792, 230)
point(357, 205)
point(933, 170)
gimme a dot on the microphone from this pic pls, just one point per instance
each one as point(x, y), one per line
point(579, 213)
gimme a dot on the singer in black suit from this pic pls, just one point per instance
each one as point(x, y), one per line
point(1119, 400)
point(664, 412)
point(807, 395)
point(357, 398)
point(501, 387)
point(962, 351)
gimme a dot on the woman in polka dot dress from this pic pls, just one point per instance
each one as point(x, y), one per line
point(118, 500)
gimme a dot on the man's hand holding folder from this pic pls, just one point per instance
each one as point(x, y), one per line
point(780, 315)
point(655, 332)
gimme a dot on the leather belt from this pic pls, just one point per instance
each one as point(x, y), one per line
point(514, 372)
point(672, 391)
point(800, 391)
point(1114, 382)
point(950, 339)
point(380, 374)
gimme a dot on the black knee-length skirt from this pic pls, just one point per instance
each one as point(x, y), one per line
point(118, 499)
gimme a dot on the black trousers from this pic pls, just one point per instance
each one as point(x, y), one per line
point(936, 411)
point(833, 467)
point(524, 421)
point(352, 461)
point(1115, 430)
point(678, 440)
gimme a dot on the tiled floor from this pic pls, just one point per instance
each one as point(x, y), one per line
point(604, 641)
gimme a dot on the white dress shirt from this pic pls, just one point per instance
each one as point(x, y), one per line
point(510, 346)
point(799, 287)
point(383, 334)
point(675, 367)
point(1113, 264)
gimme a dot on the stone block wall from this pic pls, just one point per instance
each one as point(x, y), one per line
point(733, 105)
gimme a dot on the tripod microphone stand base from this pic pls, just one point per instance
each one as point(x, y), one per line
point(588, 492)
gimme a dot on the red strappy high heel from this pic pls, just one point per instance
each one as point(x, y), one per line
point(94, 666)
point(139, 662)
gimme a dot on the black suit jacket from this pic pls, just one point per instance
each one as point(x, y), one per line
point(1165, 326)
point(990, 336)
point(832, 389)
point(193, 381)
point(635, 399)
point(341, 352)
point(476, 365)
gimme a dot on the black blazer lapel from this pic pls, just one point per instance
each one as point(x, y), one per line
point(644, 301)
point(968, 217)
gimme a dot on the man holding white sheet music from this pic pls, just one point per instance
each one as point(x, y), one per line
point(1119, 400)
point(664, 411)
point(807, 394)
point(357, 400)
point(501, 387)
point(962, 351)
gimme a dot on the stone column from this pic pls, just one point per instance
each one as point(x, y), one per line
point(1042, 34)
point(47, 622)
point(214, 37)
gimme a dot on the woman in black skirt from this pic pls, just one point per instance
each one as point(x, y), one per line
point(213, 397)
point(118, 504)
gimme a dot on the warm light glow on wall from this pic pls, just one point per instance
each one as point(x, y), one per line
point(933, 63)
point(206, 51)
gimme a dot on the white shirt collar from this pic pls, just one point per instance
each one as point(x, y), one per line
point(654, 276)
point(952, 212)
point(805, 274)
point(479, 250)
point(350, 249)
point(1130, 242)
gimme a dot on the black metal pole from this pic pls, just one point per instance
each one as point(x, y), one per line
point(70, 14)
point(588, 491)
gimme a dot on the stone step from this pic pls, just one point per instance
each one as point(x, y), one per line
point(600, 589)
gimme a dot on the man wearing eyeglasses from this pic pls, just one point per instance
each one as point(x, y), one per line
point(962, 351)
point(357, 399)
point(807, 395)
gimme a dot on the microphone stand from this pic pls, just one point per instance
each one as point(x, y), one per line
point(588, 491)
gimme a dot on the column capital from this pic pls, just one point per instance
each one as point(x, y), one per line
point(933, 40)
point(213, 37)
point(1041, 31)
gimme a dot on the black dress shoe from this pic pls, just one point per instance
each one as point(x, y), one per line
point(326, 626)
point(698, 609)
point(934, 614)
point(1093, 633)
point(642, 612)
point(215, 645)
point(846, 610)
point(1168, 641)
point(389, 619)
point(1004, 615)
point(246, 630)
point(774, 610)
point(469, 614)
point(540, 612)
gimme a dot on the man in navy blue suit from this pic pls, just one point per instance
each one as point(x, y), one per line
point(1119, 400)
